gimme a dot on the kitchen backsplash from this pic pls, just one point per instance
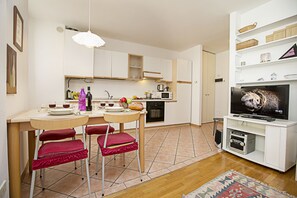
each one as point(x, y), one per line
point(116, 88)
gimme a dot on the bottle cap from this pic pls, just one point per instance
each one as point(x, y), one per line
point(88, 88)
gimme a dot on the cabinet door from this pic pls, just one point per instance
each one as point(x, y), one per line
point(184, 95)
point(119, 64)
point(151, 64)
point(78, 59)
point(273, 145)
point(184, 70)
point(171, 113)
point(166, 69)
point(102, 63)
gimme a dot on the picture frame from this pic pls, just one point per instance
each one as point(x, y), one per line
point(11, 71)
point(18, 28)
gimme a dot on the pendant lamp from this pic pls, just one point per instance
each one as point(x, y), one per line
point(88, 38)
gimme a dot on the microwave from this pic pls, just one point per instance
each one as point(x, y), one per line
point(163, 95)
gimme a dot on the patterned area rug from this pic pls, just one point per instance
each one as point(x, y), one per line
point(232, 184)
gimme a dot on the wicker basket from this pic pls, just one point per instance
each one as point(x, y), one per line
point(247, 28)
point(246, 44)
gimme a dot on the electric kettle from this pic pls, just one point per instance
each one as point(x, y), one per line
point(160, 87)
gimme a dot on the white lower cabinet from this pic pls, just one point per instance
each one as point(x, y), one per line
point(275, 142)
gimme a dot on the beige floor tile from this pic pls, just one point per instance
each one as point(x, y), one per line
point(68, 184)
point(68, 167)
point(92, 169)
point(177, 166)
point(127, 175)
point(119, 162)
point(156, 166)
point(179, 159)
point(110, 173)
point(51, 177)
point(25, 190)
point(150, 156)
point(185, 153)
point(136, 181)
point(168, 150)
point(134, 165)
point(96, 186)
point(112, 189)
point(165, 158)
point(50, 194)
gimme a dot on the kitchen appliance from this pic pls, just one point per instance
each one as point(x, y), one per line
point(241, 142)
point(162, 95)
point(160, 87)
point(155, 111)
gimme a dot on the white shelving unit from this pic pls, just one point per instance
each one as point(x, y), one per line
point(275, 142)
point(254, 70)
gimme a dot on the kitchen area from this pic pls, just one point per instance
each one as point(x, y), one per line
point(162, 85)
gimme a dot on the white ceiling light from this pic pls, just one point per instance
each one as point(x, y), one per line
point(88, 38)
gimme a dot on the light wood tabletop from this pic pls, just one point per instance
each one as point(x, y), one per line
point(21, 123)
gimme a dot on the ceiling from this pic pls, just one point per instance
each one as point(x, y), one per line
point(171, 24)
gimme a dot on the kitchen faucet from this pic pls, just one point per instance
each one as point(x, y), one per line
point(108, 95)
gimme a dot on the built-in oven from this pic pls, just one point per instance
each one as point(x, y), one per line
point(155, 111)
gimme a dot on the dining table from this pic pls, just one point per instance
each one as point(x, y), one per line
point(20, 123)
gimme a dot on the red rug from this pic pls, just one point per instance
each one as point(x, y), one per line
point(232, 184)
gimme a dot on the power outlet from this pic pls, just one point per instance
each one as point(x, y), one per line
point(3, 189)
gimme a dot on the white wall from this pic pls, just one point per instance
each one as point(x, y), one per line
point(221, 88)
point(195, 54)
point(12, 103)
point(3, 128)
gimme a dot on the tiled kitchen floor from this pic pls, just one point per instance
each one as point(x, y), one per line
point(166, 149)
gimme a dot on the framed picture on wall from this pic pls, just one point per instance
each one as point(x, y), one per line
point(18, 26)
point(11, 71)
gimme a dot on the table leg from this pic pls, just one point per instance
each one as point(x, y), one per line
point(141, 142)
point(122, 129)
point(31, 148)
point(13, 135)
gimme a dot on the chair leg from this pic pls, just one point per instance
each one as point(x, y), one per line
point(103, 175)
point(32, 183)
point(75, 167)
point(90, 141)
point(81, 169)
point(88, 177)
point(43, 178)
point(137, 153)
point(97, 159)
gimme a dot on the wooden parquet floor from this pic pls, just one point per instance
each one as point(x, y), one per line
point(187, 179)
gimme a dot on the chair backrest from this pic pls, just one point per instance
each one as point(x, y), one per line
point(56, 123)
point(121, 117)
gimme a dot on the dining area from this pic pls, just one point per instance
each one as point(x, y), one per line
point(52, 153)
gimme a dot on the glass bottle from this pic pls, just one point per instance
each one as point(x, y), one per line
point(82, 100)
point(89, 100)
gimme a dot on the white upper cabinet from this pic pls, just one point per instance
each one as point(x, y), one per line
point(78, 59)
point(119, 62)
point(184, 70)
point(166, 69)
point(110, 64)
point(152, 64)
point(102, 63)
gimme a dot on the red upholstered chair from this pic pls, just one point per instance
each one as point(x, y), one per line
point(55, 153)
point(111, 144)
point(51, 135)
point(96, 130)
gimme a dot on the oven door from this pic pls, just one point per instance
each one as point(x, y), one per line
point(155, 111)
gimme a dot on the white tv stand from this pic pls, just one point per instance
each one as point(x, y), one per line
point(276, 142)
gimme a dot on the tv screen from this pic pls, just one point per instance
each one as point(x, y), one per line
point(270, 101)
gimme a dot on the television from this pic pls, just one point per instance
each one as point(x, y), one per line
point(272, 101)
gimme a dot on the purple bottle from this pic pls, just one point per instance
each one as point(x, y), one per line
point(82, 100)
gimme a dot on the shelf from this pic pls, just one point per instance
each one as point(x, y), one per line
point(255, 156)
point(266, 81)
point(248, 129)
point(281, 61)
point(270, 44)
point(269, 26)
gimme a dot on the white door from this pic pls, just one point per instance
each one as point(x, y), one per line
point(208, 87)
point(184, 70)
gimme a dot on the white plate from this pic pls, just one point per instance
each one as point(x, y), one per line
point(60, 111)
point(114, 109)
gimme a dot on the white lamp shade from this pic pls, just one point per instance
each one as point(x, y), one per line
point(88, 39)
